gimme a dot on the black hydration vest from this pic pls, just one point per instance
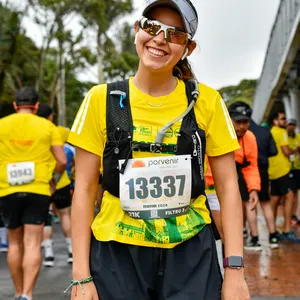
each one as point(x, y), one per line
point(119, 145)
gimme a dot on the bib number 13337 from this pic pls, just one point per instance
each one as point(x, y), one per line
point(158, 187)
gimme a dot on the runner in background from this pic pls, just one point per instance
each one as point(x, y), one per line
point(247, 169)
point(281, 178)
point(3, 237)
point(70, 153)
point(266, 148)
point(294, 142)
point(61, 199)
point(26, 144)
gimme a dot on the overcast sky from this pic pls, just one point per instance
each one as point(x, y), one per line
point(233, 36)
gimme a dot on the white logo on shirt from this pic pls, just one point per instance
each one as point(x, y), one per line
point(228, 120)
point(81, 116)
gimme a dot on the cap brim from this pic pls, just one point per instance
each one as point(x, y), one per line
point(240, 118)
point(171, 4)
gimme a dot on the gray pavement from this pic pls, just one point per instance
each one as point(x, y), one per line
point(53, 281)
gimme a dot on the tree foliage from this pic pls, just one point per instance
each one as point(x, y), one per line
point(9, 30)
point(100, 15)
point(244, 91)
point(22, 62)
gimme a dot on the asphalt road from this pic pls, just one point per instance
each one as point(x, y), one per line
point(53, 281)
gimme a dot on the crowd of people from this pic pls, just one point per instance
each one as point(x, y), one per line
point(170, 168)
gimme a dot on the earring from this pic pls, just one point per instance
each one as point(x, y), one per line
point(135, 38)
point(185, 54)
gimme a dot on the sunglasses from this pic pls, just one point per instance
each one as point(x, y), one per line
point(172, 34)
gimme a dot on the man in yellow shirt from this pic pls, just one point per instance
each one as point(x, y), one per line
point(61, 198)
point(280, 177)
point(294, 142)
point(26, 144)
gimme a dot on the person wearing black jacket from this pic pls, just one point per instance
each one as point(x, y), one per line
point(266, 148)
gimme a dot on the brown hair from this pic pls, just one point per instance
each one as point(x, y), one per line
point(183, 70)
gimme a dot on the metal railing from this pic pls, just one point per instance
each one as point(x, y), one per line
point(282, 34)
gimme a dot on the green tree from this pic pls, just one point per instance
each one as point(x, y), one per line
point(120, 64)
point(244, 91)
point(100, 15)
point(9, 30)
point(53, 17)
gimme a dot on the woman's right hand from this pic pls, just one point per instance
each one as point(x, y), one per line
point(90, 292)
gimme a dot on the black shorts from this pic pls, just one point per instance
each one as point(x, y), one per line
point(62, 197)
point(282, 185)
point(100, 179)
point(190, 271)
point(243, 187)
point(48, 221)
point(24, 208)
point(264, 194)
point(296, 174)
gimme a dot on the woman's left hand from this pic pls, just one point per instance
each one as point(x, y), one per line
point(234, 285)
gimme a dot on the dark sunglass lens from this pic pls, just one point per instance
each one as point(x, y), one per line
point(177, 37)
point(149, 26)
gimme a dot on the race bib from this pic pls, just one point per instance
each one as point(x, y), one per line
point(20, 173)
point(157, 187)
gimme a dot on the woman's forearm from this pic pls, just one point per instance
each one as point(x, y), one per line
point(232, 219)
point(87, 168)
point(226, 183)
point(81, 220)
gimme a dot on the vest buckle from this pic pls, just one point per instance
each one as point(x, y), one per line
point(156, 148)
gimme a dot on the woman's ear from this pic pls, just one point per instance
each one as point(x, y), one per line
point(136, 27)
point(191, 47)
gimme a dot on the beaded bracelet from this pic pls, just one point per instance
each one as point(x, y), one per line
point(80, 282)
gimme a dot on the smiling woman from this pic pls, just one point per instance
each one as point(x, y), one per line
point(152, 238)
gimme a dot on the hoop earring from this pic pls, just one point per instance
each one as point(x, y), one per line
point(135, 38)
point(185, 54)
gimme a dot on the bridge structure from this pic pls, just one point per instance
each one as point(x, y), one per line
point(279, 84)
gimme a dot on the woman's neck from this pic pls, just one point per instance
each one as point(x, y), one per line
point(155, 84)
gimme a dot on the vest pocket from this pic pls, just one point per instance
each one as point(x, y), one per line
point(193, 142)
point(114, 151)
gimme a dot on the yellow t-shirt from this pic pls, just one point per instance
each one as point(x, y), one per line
point(27, 138)
point(294, 142)
point(279, 165)
point(89, 133)
point(64, 180)
point(64, 133)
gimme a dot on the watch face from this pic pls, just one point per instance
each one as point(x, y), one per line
point(235, 262)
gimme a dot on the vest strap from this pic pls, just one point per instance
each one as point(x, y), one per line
point(154, 148)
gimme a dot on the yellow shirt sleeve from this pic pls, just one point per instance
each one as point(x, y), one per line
point(64, 133)
point(298, 139)
point(284, 141)
point(55, 136)
point(220, 133)
point(86, 131)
